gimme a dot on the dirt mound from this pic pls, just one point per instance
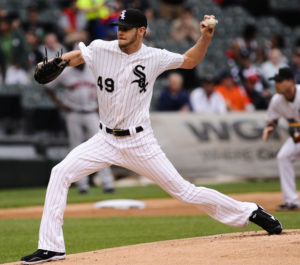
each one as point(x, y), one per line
point(247, 248)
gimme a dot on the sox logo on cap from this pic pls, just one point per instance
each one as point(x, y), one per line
point(122, 16)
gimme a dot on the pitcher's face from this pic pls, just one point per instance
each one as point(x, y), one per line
point(127, 36)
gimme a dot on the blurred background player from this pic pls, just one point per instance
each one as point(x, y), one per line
point(79, 101)
point(286, 104)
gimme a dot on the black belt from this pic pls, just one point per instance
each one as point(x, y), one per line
point(119, 132)
point(84, 111)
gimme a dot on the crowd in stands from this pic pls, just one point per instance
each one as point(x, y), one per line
point(244, 86)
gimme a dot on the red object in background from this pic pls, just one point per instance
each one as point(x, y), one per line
point(112, 17)
point(230, 54)
point(72, 17)
point(219, 2)
point(253, 78)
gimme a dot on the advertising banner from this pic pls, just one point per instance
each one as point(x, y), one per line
point(219, 147)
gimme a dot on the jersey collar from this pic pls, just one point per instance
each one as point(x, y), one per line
point(132, 54)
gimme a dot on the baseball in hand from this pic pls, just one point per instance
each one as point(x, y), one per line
point(211, 22)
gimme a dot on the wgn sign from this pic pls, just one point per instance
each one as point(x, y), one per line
point(213, 145)
point(223, 130)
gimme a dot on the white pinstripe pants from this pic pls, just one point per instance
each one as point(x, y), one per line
point(75, 123)
point(142, 154)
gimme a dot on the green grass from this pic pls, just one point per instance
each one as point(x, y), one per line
point(21, 235)
point(35, 196)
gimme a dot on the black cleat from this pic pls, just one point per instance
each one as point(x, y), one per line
point(42, 256)
point(266, 221)
point(83, 191)
point(287, 207)
point(109, 190)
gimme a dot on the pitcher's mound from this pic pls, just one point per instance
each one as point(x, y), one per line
point(236, 248)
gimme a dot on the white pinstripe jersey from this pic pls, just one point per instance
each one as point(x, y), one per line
point(125, 82)
point(280, 107)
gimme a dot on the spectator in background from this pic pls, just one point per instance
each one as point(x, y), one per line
point(32, 23)
point(275, 42)
point(16, 76)
point(170, 9)
point(247, 43)
point(235, 97)
point(96, 12)
point(173, 97)
point(53, 45)
point(205, 99)
point(295, 66)
point(115, 9)
point(142, 5)
point(73, 23)
point(272, 65)
point(244, 68)
point(35, 56)
point(257, 99)
point(13, 49)
point(186, 27)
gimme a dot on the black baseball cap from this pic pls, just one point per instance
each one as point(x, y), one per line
point(132, 18)
point(283, 74)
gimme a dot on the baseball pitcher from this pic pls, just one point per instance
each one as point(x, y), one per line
point(125, 70)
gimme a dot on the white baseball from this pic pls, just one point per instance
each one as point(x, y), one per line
point(211, 22)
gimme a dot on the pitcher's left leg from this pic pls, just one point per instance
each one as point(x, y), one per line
point(215, 204)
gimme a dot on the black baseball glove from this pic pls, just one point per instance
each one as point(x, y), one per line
point(294, 131)
point(47, 71)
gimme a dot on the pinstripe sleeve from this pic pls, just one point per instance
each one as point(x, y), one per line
point(169, 60)
point(89, 52)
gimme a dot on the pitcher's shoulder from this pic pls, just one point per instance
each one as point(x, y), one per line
point(95, 44)
point(154, 50)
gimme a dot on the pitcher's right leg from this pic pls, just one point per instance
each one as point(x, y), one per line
point(82, 161)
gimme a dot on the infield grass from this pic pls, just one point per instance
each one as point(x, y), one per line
point(35, 196)
point(19, 237)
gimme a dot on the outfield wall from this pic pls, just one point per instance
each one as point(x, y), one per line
point(219, 147)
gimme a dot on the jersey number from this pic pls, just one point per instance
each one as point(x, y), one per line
point(108, 83)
